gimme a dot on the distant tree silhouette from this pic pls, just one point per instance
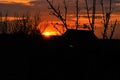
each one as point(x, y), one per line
point(3, 22)
point(25, 24)
point(22, 24)
point(36, 21)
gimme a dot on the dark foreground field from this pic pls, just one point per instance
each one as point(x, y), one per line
point(35, 58)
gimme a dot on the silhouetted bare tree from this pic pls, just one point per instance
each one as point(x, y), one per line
point(62, 15)
point(106, 20)
point(58, 13)
point(113, 29)
point(91, 22)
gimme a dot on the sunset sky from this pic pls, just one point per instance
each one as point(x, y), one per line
point(22, 6)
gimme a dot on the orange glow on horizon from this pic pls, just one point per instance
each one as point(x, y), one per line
point(11, 18)
point(49, 30)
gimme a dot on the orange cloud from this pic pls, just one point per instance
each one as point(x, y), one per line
point(15, 1)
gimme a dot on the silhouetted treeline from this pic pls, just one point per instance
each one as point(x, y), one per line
point(20, 23)
point(68, 42)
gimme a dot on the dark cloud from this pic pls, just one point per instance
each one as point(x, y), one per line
point(12, 8)
point(43, 6)
point(38, 2)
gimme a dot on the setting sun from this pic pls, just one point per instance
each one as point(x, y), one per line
point(48, 33)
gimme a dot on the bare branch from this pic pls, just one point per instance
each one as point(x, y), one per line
point(57, 12)
point(54, 25)
point(93, 15)
point(106, 19)
point(113, 29)
point(88, 13)
point(43, 26)
point(77, 14)
point(110, 9)
point(66, 10)
point(103, 12)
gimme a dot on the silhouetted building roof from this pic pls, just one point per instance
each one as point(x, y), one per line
point(79, 35)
